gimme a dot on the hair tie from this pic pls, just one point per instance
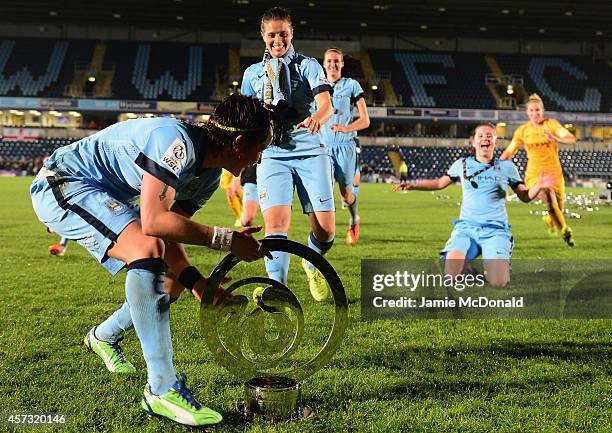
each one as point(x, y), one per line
point(232, 128)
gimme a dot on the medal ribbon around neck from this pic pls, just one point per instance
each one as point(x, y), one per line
point(471, 177)
point(278, 75)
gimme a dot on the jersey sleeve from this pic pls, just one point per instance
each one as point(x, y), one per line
point(557, 129)
point(166, 155)
point(455, 170)
point(191, 204)
point(356, 92)
point(246, 88)
point(314, 74)
point(512, 174)
point(516, 143)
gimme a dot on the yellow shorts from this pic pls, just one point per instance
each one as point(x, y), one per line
point(559, 186)
point(226, 179)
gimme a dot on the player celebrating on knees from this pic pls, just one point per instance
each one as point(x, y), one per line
point(482, 227)
point(339, 133)
point(540, 136)
point(296, 87)
point(87, 192)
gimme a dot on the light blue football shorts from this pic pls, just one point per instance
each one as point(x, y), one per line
point(474, 240)
point(249, 192)
point(344, 160)
point(311, 176)
point(83, 213)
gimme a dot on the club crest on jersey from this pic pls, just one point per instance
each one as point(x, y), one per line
point(263, 196)
point(175, 157)
point(114, 206)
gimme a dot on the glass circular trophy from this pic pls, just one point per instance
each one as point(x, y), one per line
point(258, 337)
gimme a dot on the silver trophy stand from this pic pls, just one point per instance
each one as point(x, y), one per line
point(237, 337)
point(272, 397)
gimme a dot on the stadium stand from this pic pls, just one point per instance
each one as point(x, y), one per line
point(449, 80)
point(456, 80)
point(15, 149)
point(165, 71)
point(26, 157)
point(39, 67)
point(431, 162)
point(175, 71)
point(424, 162)
point(191, 72)
point(573, 83)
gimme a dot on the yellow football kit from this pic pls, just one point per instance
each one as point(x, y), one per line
point(543, 156)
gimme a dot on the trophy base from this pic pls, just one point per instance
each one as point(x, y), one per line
point(274, 398)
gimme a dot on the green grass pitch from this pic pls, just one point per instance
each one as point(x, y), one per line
point(388, 376)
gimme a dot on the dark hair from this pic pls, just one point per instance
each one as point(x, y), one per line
point(276, 14)
point(237, 115)
point(473, 134)
point(487, 124)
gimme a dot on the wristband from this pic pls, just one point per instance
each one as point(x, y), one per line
point(222, 239)
point(189, 277)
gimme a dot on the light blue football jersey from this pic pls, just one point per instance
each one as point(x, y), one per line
point(307, 79)
point(484, 202)
point(346, 94)
point(115, 159)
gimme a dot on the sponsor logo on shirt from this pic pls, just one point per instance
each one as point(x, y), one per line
point(176, 156)
point(485, 178)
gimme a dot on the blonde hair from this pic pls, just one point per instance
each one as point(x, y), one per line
point(534, 97)
point(334, 50)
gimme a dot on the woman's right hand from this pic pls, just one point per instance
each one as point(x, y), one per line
point(246, 247)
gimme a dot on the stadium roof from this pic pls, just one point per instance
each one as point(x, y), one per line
point(514, 19)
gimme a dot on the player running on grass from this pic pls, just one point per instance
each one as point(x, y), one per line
point(340, 132)
point(296, 87)
point(540, 137)
point(482, 227)
point(87, 192)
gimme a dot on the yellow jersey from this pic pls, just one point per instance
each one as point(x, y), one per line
point(542, 153)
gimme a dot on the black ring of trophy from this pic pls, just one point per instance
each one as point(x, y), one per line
point(237, 337)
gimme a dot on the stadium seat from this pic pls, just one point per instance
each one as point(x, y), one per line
point(433, 162)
